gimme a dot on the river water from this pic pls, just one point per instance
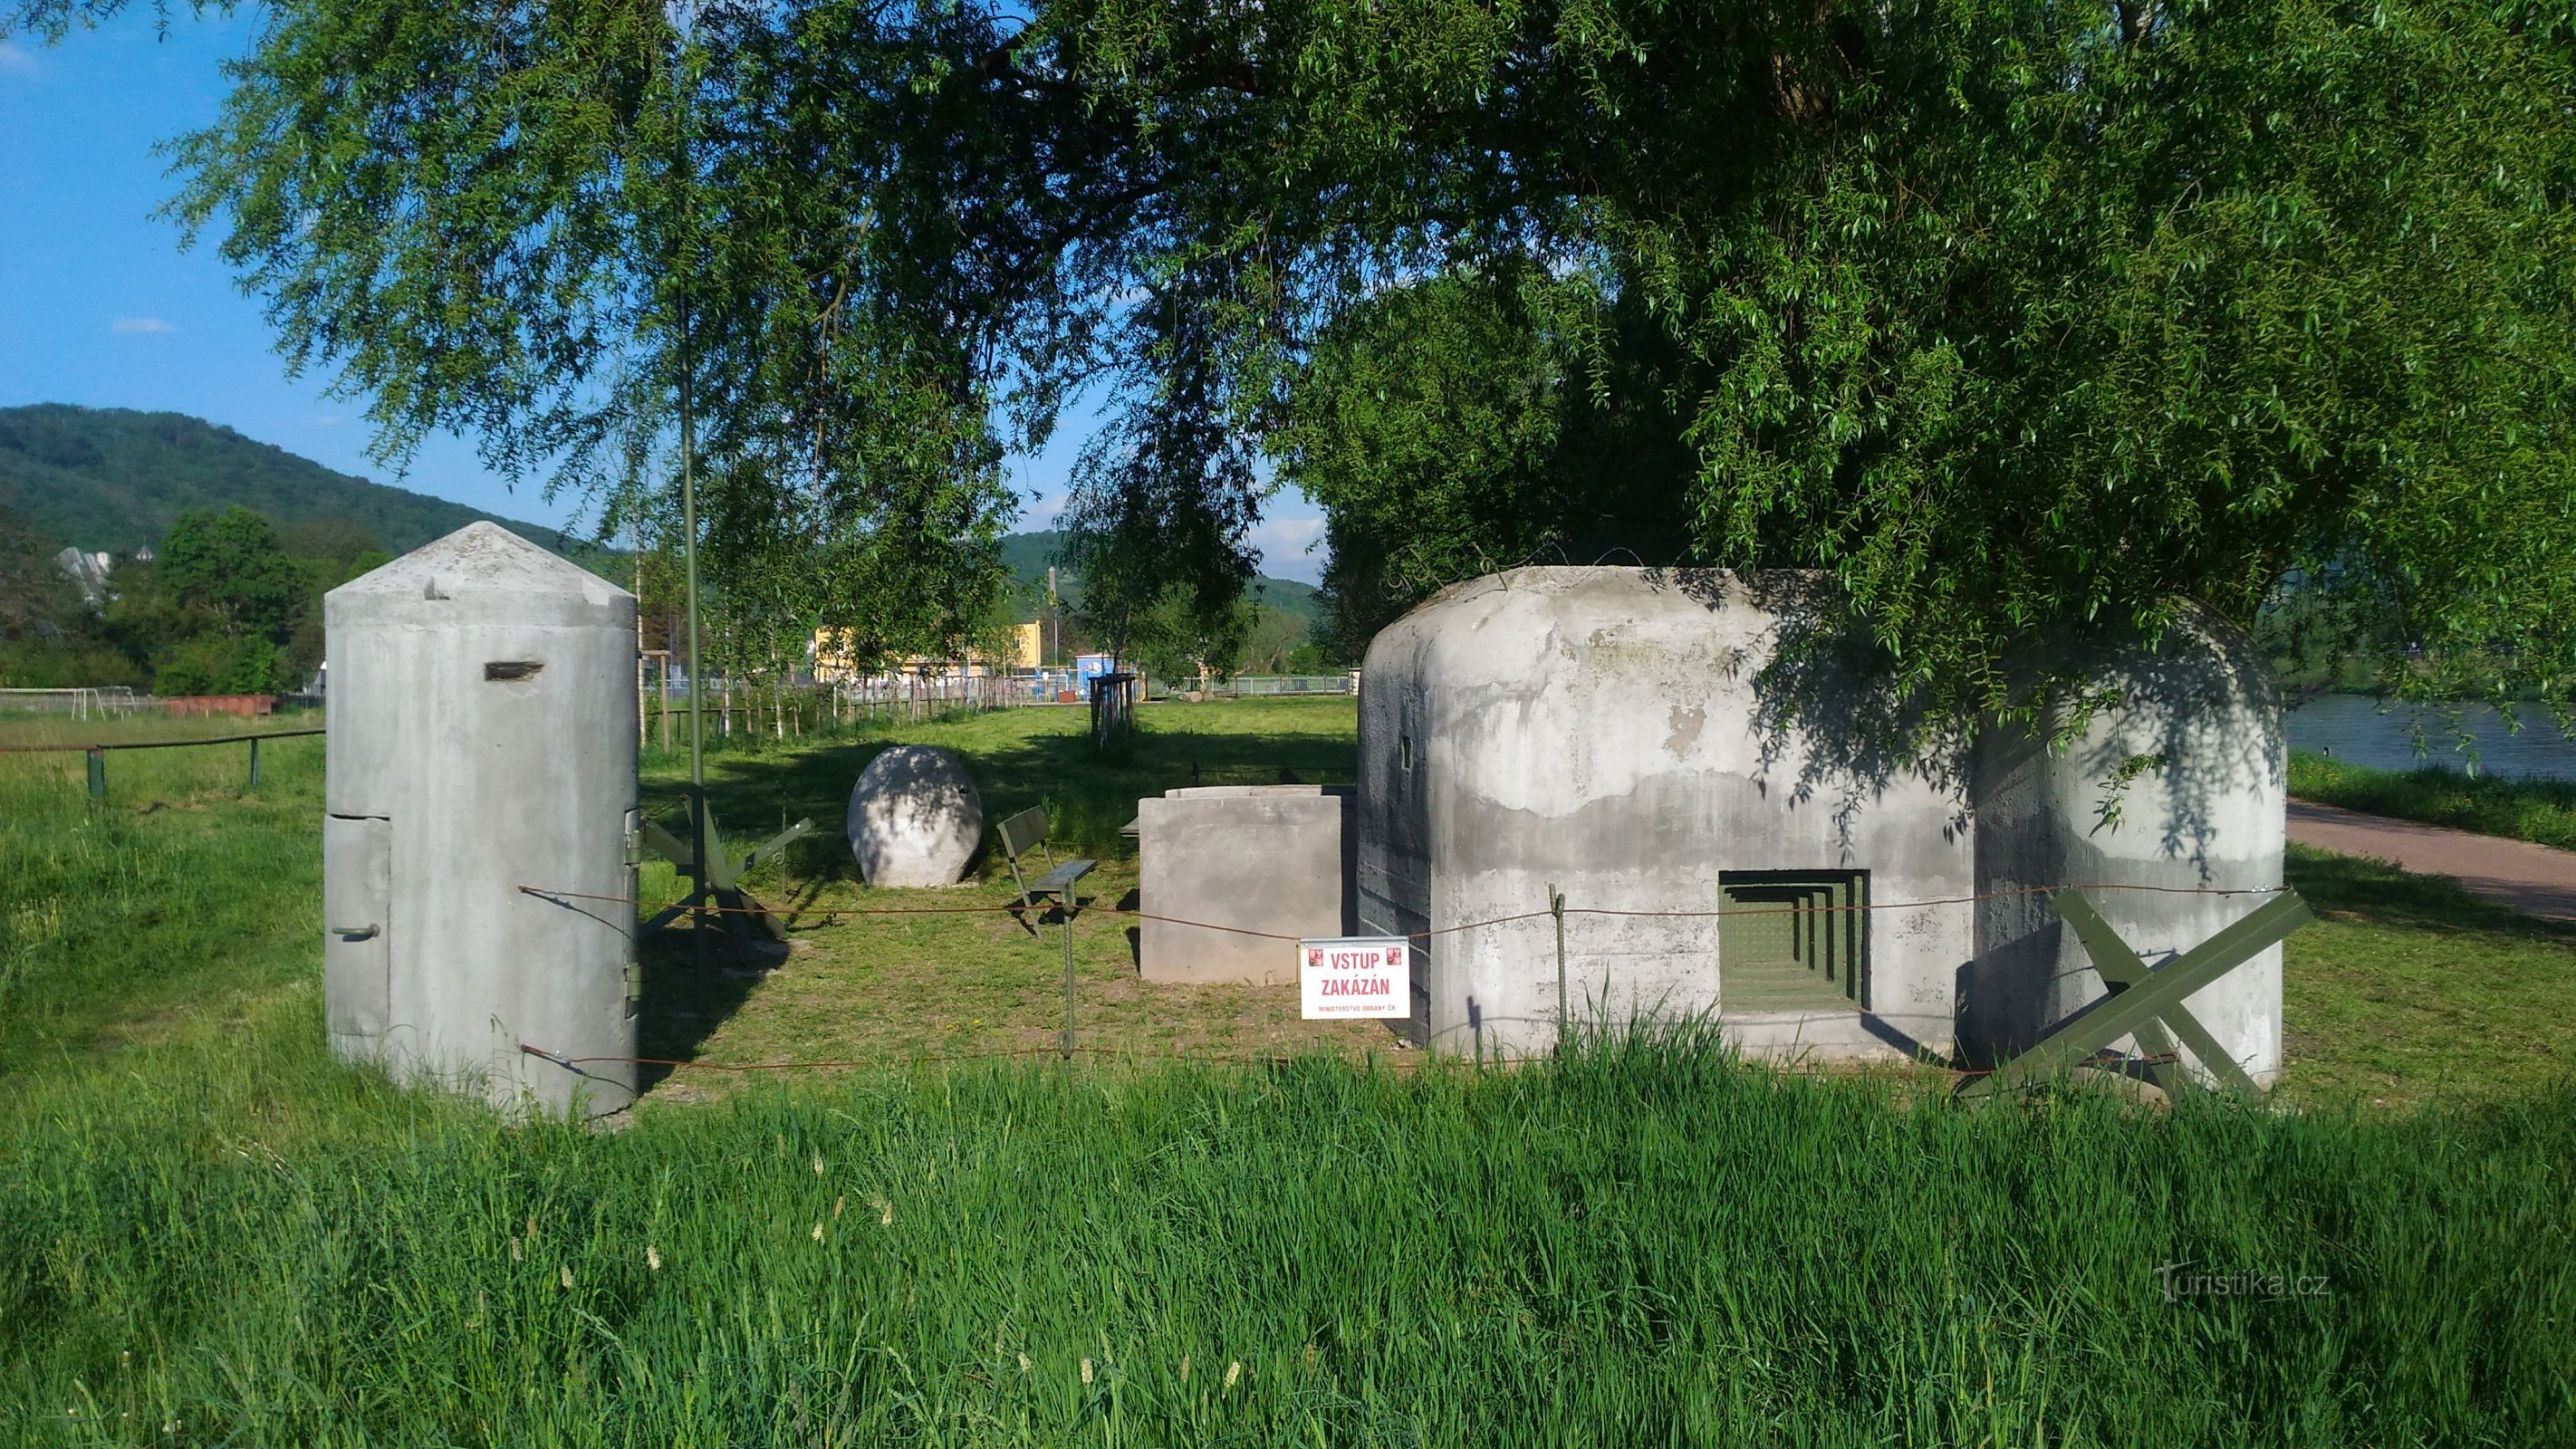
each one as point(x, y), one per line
point(2352, 727)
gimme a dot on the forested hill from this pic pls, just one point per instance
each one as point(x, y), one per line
point(113, 479)
point(1027, 555)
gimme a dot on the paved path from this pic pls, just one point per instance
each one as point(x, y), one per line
point(2532, 879)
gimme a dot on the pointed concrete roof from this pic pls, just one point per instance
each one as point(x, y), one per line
point(482, 560)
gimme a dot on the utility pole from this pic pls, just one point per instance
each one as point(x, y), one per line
point(1055, 619)
point(641, 717)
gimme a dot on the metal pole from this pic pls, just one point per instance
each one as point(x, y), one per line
point(254, 764)
point(97, 775)
point(697, 677)
point(1064, 1047)
point(642, 721)
point(1556, 908)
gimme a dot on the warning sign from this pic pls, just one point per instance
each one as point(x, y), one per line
point(1355, 976)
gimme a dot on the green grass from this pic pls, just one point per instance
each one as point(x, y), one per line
point(898, 987)
point(211, 1233)
point(2408, 990)
point(189, 896)
point(2541, 811)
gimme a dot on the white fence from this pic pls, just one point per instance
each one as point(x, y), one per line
point(1255, 685)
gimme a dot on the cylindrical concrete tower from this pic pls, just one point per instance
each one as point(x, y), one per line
point(482, 740)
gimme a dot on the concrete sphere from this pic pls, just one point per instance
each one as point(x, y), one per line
point(915, 818)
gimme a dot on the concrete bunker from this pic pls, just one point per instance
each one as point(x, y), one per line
point(1611, 732)
point(483, 726)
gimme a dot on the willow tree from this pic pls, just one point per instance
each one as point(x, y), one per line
point(2009, 315)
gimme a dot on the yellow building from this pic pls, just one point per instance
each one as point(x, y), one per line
point(833, 662)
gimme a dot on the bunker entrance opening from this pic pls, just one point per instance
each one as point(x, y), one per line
point(1793, 940)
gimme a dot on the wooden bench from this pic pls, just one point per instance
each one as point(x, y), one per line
point(1025, 832)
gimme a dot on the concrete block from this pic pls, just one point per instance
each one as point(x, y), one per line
point(915, 818)
point(1255, 858)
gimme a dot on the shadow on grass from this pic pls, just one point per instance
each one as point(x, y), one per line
point(1018, 759)
point(686, 996)
point(2383, 895)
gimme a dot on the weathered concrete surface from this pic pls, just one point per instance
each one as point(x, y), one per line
point(1599, 729)
point(2517, 874)
point(1268, 859)
point(915, 818)
point(482, 739)
point(2198, 729)
point(1611, 732)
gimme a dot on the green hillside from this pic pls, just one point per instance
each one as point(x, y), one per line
point(1027, 555)
point(114, 479)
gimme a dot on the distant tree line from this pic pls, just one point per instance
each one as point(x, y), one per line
point(230, 603)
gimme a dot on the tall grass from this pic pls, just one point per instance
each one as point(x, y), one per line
point(2542, 811)
point(184, 890)
point(1646, 1243)
point(212, 1233)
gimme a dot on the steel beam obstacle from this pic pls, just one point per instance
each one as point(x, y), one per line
point(715, 875)
point(2146, 1002)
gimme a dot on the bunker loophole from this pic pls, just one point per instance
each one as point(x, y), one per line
point(1793, 940)
point(507, 669)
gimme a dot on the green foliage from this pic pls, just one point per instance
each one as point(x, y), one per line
point(232, 565)
point(2006, 315)
point(37, 598)
point(221, 664)
point(115, 480)
point(1476, 422)
point(73, 662)
point(627, 266)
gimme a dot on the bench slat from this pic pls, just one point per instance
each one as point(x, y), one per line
point(1061, 878)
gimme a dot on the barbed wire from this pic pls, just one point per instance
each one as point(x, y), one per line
point(2105, 1059)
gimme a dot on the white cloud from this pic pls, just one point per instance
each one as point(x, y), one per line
point(1291, 548)
point(142, 324)
point(16, 59)
point(332, 421)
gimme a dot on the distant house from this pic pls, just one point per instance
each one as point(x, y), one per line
point(835, 661)
point(90, 571)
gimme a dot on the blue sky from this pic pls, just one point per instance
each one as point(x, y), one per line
point(101, 307)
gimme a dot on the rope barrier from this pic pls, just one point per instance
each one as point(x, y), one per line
point(575, 1064)
point(712, 909)
point(1015, 907)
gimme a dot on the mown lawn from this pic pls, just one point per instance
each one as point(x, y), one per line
point(982, 981)
point(209, 1232)
point(2408, 990)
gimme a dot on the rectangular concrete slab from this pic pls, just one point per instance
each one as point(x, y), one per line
point(1251, 869)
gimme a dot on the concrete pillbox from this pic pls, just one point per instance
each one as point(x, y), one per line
point(475, 874)
point(1268, 859)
